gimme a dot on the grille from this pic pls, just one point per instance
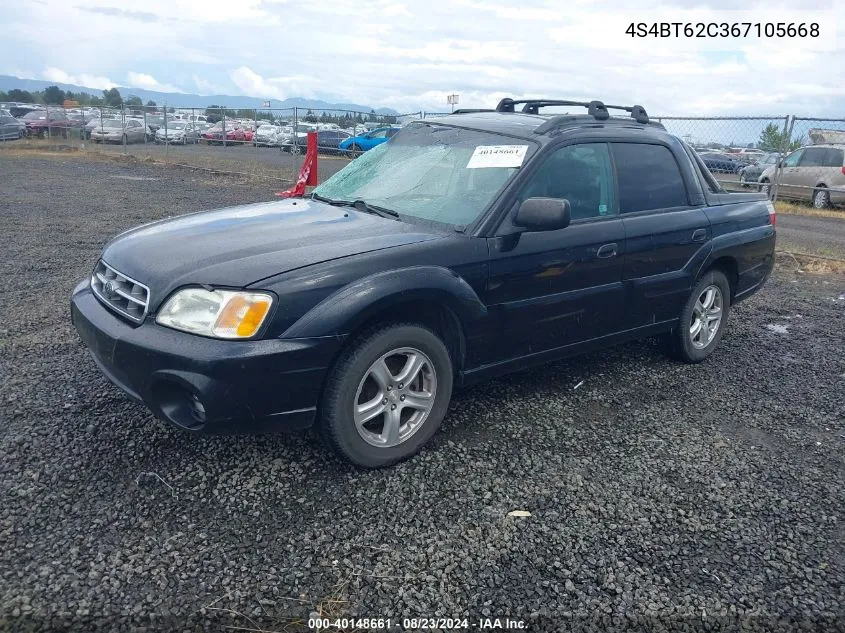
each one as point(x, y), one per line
point(122, 294)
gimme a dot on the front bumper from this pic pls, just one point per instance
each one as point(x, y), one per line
point(206, 385)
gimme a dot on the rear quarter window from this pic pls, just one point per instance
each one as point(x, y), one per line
point(835, 158)
point(648, 178)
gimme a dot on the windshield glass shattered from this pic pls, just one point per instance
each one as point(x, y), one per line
point(431, 172)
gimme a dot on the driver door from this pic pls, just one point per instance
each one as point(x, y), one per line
point(556, 288)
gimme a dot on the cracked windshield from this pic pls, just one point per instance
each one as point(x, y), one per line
point(431, 172)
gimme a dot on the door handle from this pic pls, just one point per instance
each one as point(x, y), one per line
point(608, 250)
point(699, 235)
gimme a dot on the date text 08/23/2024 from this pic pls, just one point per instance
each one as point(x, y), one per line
point(418, 623)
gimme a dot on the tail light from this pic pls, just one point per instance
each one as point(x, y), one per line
point(772, 215)
point(843, 170)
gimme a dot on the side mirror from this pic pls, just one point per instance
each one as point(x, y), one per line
point(543, 214)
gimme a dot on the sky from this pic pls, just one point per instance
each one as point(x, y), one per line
point(409, 54)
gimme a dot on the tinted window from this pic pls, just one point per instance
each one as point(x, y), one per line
point(793, 158)
point(379, 134)
point(834, 158)
point(391, 132)
point(648, 177)
point(581, 174)
point(813, 157)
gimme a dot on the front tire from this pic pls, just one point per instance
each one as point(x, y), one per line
point(703, 319)
point(386, 395)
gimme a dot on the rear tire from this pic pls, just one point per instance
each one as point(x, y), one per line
point(703, 319)
point(821, 198)
point(370, 413)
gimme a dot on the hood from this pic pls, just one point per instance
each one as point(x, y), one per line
point(241, 245)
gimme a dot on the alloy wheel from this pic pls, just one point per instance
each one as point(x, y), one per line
point(395, 397)
point(706, 317)
point(820, 199)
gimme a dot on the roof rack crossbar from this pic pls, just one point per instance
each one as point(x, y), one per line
point(597, 109)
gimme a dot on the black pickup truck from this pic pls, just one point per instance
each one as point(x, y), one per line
point(468, 246)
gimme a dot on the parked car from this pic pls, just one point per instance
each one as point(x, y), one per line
point(296, 140)
point(10, 128)
point(469, 246)
point(44, 123)
point(117, 131)
point(719, 163)
point(178, 132)
point(751, 173)
point(328, 141)
point(354, 145)
point(215, 134)
point(266, 136)
point(815, 173)
point(96, 123)
point(20, 110)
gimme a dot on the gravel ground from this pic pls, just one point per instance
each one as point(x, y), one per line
point(662, 496)
point(243, 158)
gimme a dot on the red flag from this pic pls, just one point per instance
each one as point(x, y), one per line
point(307, 173)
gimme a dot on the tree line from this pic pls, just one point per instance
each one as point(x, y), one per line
point(53, 95)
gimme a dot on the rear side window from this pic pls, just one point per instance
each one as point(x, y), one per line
point(648, 177)
point(814, 157)
point(834, 158)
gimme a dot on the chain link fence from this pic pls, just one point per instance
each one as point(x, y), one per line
point(789, 157)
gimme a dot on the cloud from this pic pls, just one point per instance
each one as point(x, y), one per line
point(251, 83)
point(89, 81)
point(148, 82)
point(140, 16)
point(410, 55)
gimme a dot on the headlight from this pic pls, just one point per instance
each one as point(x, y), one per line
point(219, 313)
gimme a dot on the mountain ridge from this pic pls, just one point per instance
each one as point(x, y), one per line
point(189, 100)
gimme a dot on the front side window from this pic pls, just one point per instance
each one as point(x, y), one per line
point(793, 158)
point(581, 174)
point(379, 134)
point(425, 172)
point(648, 177)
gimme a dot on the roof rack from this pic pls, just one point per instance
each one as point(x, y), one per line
point(471, 110)
point(596, 109)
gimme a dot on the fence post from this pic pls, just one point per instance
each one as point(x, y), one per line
point(294, 138)
point(788, 123)
point(123, 121)
point(224, 129)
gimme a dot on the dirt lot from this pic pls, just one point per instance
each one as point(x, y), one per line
point(266, 162)
point(662, 496)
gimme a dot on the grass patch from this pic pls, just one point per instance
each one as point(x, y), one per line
point(808, 263)
point(797, 208)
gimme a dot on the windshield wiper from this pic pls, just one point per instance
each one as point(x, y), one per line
point(363, 205)
point(358, 205)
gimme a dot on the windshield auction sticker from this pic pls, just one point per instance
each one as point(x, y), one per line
point(497, 156)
